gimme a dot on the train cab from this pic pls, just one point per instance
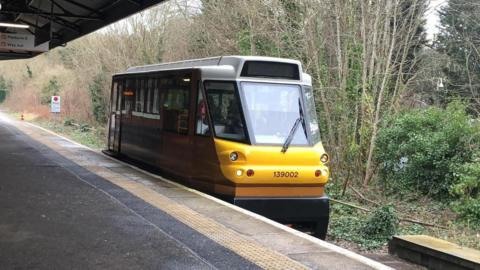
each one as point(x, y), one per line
point(242, 128)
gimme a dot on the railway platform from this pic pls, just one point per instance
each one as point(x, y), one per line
point(65, 206)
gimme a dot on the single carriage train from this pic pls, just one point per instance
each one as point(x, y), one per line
point(242, 128)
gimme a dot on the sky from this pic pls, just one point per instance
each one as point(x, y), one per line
point(432, 18)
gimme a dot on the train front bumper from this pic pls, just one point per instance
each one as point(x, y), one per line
point(306, 209)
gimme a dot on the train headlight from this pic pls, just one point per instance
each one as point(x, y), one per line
point(250, 173)
point(318, 173)
point(239, 172)
point(324, 158)
point(233, 156)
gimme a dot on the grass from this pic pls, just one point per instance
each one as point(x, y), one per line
point(92, 136)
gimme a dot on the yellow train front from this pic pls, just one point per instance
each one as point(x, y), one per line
point(240, 127)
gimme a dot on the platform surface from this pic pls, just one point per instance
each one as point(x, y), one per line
point(434, 253)
point(443, 246)
point(64, 206)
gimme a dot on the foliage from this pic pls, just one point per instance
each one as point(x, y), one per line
point(99, 101)
point(94, 138)
point(459, 38)
point(68, 122)
point(368, 231)
point(84, 128)
point(419, 149)
point(381, 225)
point(5, 87)
point(52, 88)
point(29, 72)
point(466, 190)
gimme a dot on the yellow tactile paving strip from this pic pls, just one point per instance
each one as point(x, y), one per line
point(247, 248)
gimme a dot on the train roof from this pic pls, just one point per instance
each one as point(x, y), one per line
point(232, 67)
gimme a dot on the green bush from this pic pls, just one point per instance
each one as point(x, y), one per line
point(381, 225)
point(85, 128)
point(5, 86)
point(29, 72)
point(466, 190)
point(368, 231)
point(51, 89)
point(421, 149)
point(68, 122)
point(99, 102)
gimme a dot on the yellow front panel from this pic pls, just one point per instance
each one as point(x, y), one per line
point(295, 167)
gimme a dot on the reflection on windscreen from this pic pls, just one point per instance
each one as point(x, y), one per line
point(225, 110)
point(272, 110)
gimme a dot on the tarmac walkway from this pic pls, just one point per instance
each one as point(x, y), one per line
point(65, 206)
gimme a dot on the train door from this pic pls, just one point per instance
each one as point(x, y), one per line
point(205, 166)
point(127, 106)
point(176, 130)
point(115, 116)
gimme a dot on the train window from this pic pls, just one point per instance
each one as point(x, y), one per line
point(113, 107)
point(120, 94)
point(272, 110)
point(139, 96)
point(149, 94)
point(202, 127)
point(128, 104)
point(312, 114)
point(224, 108)
point(176, 109)
point(156, 98)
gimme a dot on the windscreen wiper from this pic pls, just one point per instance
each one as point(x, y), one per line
point(299, 120)
point(289, 139)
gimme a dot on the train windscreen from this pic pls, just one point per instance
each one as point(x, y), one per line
point(272, 110)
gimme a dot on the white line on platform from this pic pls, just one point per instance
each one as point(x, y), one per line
point(324, 244)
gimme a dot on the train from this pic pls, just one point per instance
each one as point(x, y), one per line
point(242, 128)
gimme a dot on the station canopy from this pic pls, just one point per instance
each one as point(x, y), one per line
point(30, 27)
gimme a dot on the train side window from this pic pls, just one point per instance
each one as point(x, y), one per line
point(149, 95)
point(128, 104)
point(202, 127)
point(176, 109)
point(113, 107)
point(139, 96)
point(156, 98)
point(120, 95)
point(142, 95)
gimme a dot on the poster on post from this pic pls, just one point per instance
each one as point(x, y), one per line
point(55, 104)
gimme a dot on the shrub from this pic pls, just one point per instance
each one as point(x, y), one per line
point(4, 88)
point(419, 149)
point(68, 122)
point(381, 225)
point(369, 232)
point(29, 72)
point(51, 89)
point(467, 190)
point(84, 128)
point(99, 102)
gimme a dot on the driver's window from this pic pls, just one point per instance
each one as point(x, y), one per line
point(224, 107)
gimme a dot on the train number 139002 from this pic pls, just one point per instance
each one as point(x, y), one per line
point(285, 174)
